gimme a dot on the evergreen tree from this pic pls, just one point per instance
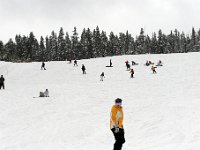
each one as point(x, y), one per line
point(75, 44)
point(61, 45)
point(90, 50)
point(32, 47)
point(10, 51)
point(113, 44)
point(41, 51)
point(1, 51)
point(68, 47)
point(104, 45)
point(53, 45)
point(47, 53)
point(84, 45)
point(97, 42)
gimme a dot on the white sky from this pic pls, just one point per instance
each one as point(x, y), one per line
point(43, 16)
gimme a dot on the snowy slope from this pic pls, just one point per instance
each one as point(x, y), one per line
point(161, 110)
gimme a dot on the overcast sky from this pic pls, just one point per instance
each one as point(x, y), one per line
point(43, 16)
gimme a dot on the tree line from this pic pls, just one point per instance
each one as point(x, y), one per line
point(96, 43)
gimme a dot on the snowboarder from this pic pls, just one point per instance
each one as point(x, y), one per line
point(83, 69)
point(153, 69)
point(75, 63)
point(116, 124)
point(159, 63)
point(132, 73)
point(44, 94)
point(102, 76)
point(134, 63)
point(2, 82)
point(43, 66)
point(110, 63)
point(147, 63)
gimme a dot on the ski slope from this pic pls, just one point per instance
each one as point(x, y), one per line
point(161, 111)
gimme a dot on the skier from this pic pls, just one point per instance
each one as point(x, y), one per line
point(43, 66)
point(153, 69)
point(75, 63)
point(44, 94)
point(2, 82)
point(83, 69)
point(127, 65)
point(102, 76)
point(132, 73)
point(116, 124)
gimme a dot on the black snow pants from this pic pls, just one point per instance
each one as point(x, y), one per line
point(2, 85)
point(119, 139)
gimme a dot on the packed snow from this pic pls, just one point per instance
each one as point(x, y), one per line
point(161, 111)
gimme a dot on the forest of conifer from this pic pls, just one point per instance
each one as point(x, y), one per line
point(95, 43)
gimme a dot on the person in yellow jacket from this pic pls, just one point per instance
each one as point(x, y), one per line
point(116, 124)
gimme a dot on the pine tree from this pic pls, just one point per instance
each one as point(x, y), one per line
point(47, 49)
point(32, 47)
point(41, 51)
point(1, 51)
point(75, 44)
point(68, 47)
point(97, 42)
point(104, 44)
point(61, 45)
point(53, 45)
point(10, 50)
point(84, 45)
point(90, 53)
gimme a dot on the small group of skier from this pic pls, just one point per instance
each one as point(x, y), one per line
point(128, 68)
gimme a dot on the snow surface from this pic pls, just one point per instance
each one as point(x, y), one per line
point(161, 111)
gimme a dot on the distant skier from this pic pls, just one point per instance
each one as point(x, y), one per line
point(110, 63)
point(2, 82)
point(153, 69)
point(127, 65)
point(102, 76)
point(132, 73)
point(44, 94)
point(83, 69)
point(75, 63)
point(43, 66)
point(116, 124)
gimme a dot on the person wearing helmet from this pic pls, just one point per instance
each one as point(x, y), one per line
point(116, 124)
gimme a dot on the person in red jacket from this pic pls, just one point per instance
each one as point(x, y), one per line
point(116, 124)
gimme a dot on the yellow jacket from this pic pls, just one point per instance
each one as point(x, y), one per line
point(116, 117)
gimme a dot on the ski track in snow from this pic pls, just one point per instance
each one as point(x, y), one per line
point(161, 110)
